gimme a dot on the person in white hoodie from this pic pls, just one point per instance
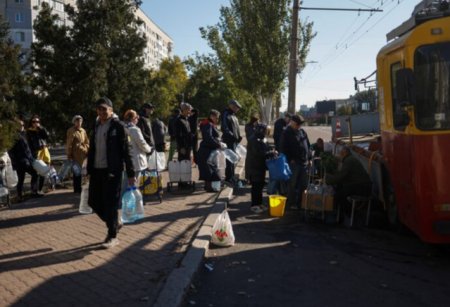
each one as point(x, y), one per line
point(139, 147)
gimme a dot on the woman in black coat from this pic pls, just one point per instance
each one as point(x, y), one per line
point(255, 166)
point(210, 142)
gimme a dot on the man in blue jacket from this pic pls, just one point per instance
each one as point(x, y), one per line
point(109, 151)
point(231, 135)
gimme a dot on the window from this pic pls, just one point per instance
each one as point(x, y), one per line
point(432, 74)
point(20, 37)
point(19, 17)
point(400, 116)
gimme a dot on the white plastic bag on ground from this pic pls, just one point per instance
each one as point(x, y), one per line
point(222, 231)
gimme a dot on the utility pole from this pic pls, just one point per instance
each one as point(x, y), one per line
point(293, 59)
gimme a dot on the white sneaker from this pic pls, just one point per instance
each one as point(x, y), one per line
point(256, 209)
point(111, 243)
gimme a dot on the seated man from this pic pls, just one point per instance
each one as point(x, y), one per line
point(351, 179)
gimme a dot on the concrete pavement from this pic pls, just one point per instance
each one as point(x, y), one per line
point(52, 255)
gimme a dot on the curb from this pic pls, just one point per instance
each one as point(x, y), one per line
point(179, 280)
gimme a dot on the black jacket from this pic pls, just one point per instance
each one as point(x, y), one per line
point(159, 131)
point(37, 139)
point(20, 153)
point(171, 126)
point(145, 125)
point(230, 127)
point(210, 142)
point(292, 144)
point(183, 133)
point(278, 129)
point(255, 161)
point(118, 149)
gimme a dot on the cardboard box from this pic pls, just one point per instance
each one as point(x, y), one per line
point(317, 202)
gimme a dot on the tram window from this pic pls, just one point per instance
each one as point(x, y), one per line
point(432, 73)
point(400, 116)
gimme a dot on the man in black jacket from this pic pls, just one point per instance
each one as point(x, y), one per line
point(109, 150)
point(22, 160)
point(278, 127)
point(144, 123)
point(171, 129)
point(183, 133)
point(295, 145)
point(231, 134)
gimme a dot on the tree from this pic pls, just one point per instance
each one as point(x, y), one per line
point(368, 96)
point(10, 83)
point(251, 41)
point(211, 87)
point(101, 54)
point(167, 85)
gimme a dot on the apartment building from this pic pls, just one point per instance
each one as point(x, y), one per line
point(159, 44)
point(22, 13)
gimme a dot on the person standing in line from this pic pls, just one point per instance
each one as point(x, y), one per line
point(37, 137)
point(279, 125)
point(145, 123)
point(231, 135)
point(210, 142)
point(173, 141)
point(159, 132)
point(255, 166)
point(183, 133)
point(295, 145)
point(77, 146)
point(250, 126)
point(22, 160)
point(139, 147)
point(193, 123)
point(109, 151)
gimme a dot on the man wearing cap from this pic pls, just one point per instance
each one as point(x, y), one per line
point(295, 145)
point(183, 134)
point(279, 125)
point(230, 134)
point(109, 150)
point(77, 146)
point(144, 123)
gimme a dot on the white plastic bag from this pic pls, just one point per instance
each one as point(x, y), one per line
point(222, 231)
point(84, 206)
point(160, 161)
point(151, 161)
point(218, 161)
point(11, 177)
point(40, 167)
point(241, 151)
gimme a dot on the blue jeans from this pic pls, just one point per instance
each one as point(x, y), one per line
point(297, 184)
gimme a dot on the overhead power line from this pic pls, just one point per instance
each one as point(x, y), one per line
point(339, 9)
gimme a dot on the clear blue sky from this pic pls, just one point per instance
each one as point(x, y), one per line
point(345, 47)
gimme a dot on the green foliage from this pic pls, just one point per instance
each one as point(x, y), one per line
point(10, 83)
point(252, 44)
point(211, 87)
point(329, 162)
point(166, 86)
point(368, 96)
point(100, 55)
point(345, 110)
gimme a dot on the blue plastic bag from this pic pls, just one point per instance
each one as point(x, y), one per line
point(279, 168)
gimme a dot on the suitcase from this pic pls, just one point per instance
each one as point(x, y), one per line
point(150, 184)
point(180, 172)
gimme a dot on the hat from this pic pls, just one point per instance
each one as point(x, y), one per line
point(148, 105)
point(75, 118)
point(298, 119)
point(235, 103)
point(104, 101)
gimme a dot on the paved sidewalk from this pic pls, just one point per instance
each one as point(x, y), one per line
point(50, 255)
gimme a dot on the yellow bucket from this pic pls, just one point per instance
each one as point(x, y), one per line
point(277, 204)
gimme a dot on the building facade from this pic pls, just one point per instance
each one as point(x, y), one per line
point(159, 44)
point(21, 15)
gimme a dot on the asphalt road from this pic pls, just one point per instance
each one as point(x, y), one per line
point(287, 262)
